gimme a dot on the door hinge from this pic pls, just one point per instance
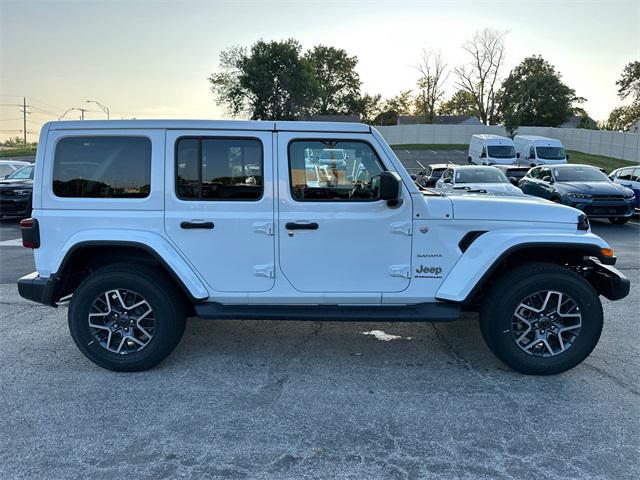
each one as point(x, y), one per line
point(263, 227)
point(263, 271)
point(401, 271)
point(401, 227)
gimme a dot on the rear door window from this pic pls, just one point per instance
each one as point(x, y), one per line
point(102, 167)
point(217, 168)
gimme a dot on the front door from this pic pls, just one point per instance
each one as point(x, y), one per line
point(219, 206)
point(335, 234)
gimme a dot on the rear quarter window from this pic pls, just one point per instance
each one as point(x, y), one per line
point(102, 167)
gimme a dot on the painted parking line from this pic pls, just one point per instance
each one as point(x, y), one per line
point(432, 152)
point(16, 242)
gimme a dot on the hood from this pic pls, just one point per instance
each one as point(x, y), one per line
point(592, 188)
point(511, 208)
point(491, 187)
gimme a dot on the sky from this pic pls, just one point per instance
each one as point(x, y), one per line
point(151, 59)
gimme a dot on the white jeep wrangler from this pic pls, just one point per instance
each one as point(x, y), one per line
point(143, 223)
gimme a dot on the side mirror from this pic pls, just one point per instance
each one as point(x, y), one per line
point(414, 177)
point(546, 178)
point(566, 155)
point(483, 154)
point(390, 185)
point(447, 180)
point(518, 155)
point(514, 181)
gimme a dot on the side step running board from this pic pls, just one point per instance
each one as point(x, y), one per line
point(421, 312)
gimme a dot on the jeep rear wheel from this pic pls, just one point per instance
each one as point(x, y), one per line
point(126, 318)
point(541, 319)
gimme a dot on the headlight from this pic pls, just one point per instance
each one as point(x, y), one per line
point(629, 194)
point(579, 195)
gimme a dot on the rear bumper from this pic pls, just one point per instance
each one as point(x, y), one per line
point(37, 289)
point(607, 280)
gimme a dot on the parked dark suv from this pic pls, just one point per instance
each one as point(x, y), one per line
point(16, 192)
point(583, 187)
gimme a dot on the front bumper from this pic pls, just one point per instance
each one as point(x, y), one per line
point(602, 209)
point(37, 289)
point(607, 280)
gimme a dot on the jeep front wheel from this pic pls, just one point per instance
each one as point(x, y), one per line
point(126, 318)
point(541, 319)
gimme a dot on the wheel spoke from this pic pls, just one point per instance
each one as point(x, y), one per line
point(547, 315)
point(125, 321)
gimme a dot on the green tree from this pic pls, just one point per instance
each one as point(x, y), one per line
point(338, 82)
point(621, 118)
point(401, 104)
point(13, 142)
point(533, 94)
point(270, 82)
point(460, 103)
point(629, 83)
point(368, 107)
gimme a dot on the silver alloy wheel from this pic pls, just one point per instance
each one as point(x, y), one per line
point(546, 323)
point(122, 321)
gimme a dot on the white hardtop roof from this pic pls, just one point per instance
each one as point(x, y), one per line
point(537, 138)
point(491, 136)
point(290, 126)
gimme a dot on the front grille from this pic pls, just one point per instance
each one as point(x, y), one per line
point(608, 198)
point(604, 210)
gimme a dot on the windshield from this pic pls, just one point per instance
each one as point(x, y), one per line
point(579, 174)
point(480, 175)
point(501, 151)
point(25, 173)
point(551, 153)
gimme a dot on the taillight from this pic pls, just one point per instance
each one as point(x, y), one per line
point(30, 233)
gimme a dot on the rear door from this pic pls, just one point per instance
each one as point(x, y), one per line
point(219, 206)
point(335, 234)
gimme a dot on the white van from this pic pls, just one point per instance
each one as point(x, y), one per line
point(533, 150)
point(485, 149)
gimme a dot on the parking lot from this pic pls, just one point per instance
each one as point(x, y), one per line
point(291, 400)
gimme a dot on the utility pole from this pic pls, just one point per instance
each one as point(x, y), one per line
point(24, 119)
point(82, 110)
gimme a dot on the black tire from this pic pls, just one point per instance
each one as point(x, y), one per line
point(618, 220)
point(164, 299)
point(512, 288)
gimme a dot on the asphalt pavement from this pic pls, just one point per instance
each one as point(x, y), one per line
point(292, 400)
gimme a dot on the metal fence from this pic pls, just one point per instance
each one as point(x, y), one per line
point(621, 145)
